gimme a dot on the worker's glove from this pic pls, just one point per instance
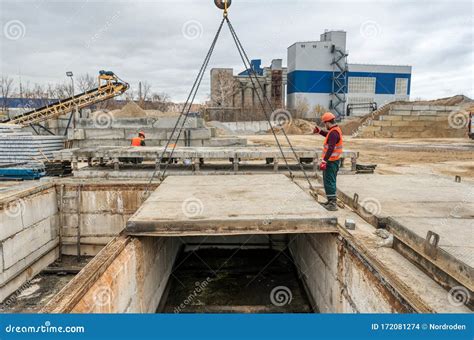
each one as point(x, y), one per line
point(323, 165)
point(316, 130)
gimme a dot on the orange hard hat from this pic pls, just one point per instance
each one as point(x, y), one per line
point(327, 117)
point(141, 133)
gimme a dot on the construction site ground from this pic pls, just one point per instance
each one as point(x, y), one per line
point(445, 157)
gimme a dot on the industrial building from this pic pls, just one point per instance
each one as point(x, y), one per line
point(320, 75)
point(234, 97)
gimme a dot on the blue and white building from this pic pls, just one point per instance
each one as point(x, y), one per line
point(319, 74)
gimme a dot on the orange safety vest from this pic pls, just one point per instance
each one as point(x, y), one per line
point(338, 149)
point(136, 141)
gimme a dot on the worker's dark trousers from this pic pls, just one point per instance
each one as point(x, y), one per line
point(329, 178)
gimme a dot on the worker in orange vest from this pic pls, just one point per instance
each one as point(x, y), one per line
point(331, 157)
point(140, 140)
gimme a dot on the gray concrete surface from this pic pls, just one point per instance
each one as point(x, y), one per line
point(220, 205)
point(410, 206)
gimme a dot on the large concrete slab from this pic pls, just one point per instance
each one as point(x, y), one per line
point(227, 205)
point(153, 152)
point(413, 205)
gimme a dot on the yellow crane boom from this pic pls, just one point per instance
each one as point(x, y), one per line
point(110, 86)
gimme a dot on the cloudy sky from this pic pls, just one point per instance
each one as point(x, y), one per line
point(164, 41)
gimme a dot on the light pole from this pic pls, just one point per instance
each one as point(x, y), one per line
point(71, 75)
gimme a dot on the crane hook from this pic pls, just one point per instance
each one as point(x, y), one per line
point(223, 4)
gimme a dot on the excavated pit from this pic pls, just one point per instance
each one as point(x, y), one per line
point(321, 270)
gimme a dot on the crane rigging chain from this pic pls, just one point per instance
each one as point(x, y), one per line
point(224, 5)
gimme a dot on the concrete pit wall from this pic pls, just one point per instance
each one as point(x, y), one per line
point(29, 224)
point(338, 281)
point(35, 221)
point(128, 276)
point(101, 211)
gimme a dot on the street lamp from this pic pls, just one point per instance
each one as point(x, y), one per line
point(70, 75)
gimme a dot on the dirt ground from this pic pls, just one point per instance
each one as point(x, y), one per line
point(448, 157)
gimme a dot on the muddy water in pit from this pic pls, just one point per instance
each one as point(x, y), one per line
point(235, 281)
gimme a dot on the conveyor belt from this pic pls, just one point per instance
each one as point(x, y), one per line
point(113, 87)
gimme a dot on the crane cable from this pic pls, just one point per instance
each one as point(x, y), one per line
point(185, 111)
point(192, 95)
point(246, 61)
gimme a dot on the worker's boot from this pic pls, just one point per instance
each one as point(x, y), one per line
point(331, 205)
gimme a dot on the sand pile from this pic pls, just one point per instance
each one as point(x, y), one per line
point(454, 100)
point(130, 110)
point(296, 127)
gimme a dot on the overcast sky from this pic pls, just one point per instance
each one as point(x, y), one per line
point(165, 41)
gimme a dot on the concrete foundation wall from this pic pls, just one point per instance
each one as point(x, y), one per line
point(337, 280)
point(103, 212)
point(29, 227)
point(133, 281)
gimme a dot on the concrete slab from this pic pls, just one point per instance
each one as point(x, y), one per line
point(411, 206)
point(227, 205)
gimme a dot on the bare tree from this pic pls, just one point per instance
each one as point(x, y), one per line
point(62, 91)
point(161, 101)
point(224, 90)
point(130, 94)
point(302, 108)
point(6, 87)
point(86, 82)
point(317, 111)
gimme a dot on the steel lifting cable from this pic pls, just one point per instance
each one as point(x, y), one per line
point(192, 95)
point(259, 98)
point(246, 61)
point(186, 108)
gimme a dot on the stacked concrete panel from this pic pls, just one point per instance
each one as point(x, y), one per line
point(28, 236)
point(20, 146)
point(120, 131)
point(415, 121)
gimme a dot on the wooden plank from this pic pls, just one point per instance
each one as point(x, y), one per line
point(69, 296)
